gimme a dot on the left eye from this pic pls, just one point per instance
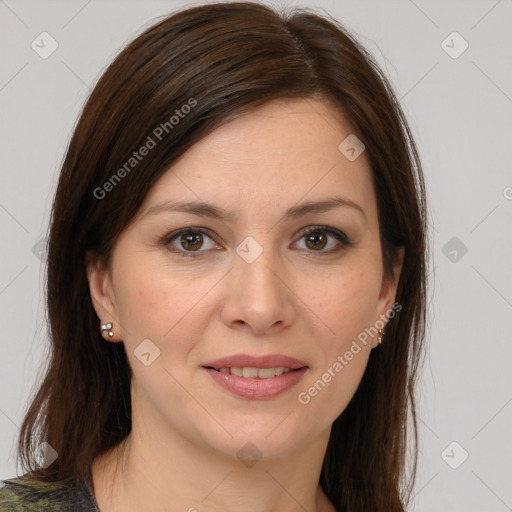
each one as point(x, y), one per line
point(316, 239)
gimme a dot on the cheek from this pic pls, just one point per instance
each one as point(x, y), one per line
point(140, 301)
point(158, 306)
point(163, 306)
point(345, 304)
point(151, 301)
point(346, 307)
point(326, 395)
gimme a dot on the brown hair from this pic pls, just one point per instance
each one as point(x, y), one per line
point(225, 60)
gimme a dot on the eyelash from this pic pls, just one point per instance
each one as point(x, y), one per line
point(339, 235)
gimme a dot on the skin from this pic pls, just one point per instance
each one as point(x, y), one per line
point(292, 300)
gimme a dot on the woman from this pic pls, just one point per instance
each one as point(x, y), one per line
point(236, 279)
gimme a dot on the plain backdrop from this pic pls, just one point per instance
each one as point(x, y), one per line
point(458, 101)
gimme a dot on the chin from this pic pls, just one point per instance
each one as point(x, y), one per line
point(276, 437)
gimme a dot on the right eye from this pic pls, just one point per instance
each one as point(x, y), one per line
point(188, 241)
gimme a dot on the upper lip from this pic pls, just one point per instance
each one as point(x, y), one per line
point(248, 361)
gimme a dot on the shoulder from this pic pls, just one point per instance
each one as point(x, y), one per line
point(24, 494)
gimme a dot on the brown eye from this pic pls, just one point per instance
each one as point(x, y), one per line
point(316, 241)
point(323, 240)
point(191, 242)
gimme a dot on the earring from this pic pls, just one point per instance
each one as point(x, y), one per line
point(107, 327)
point(379, 339)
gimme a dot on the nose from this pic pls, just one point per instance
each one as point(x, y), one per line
point(258, 296)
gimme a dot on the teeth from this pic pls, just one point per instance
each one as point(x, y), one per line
point(265, 373)
point(250, 373)
point(255, 373)
point(237, 371)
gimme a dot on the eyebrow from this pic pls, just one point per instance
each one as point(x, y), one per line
point(209, 210)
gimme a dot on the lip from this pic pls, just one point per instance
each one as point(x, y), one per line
point(257, 389)
point(248, 361)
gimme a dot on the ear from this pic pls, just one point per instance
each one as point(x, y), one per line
point(102, 295)
point(388, 289)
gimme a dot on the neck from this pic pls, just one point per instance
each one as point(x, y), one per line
point(152, 471)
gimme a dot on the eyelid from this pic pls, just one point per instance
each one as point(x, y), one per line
point(191, 229)
point(340, 235)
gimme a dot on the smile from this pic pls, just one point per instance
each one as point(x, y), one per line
point(255, 373)
point(256, 388)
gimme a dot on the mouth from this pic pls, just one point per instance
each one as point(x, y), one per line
point(251, 372)
point(249, 362)
point(256, 378)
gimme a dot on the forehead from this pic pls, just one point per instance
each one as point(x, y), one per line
point(281, 153)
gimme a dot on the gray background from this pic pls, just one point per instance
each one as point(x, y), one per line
point(460, 112)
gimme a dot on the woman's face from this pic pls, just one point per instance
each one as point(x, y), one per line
point(248, 280)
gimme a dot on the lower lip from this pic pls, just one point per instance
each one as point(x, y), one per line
point(257, 389)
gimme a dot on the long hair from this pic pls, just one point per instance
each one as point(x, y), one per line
point(224, 60)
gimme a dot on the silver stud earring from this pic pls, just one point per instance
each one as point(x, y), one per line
point(107, 327)
point(379, 339)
